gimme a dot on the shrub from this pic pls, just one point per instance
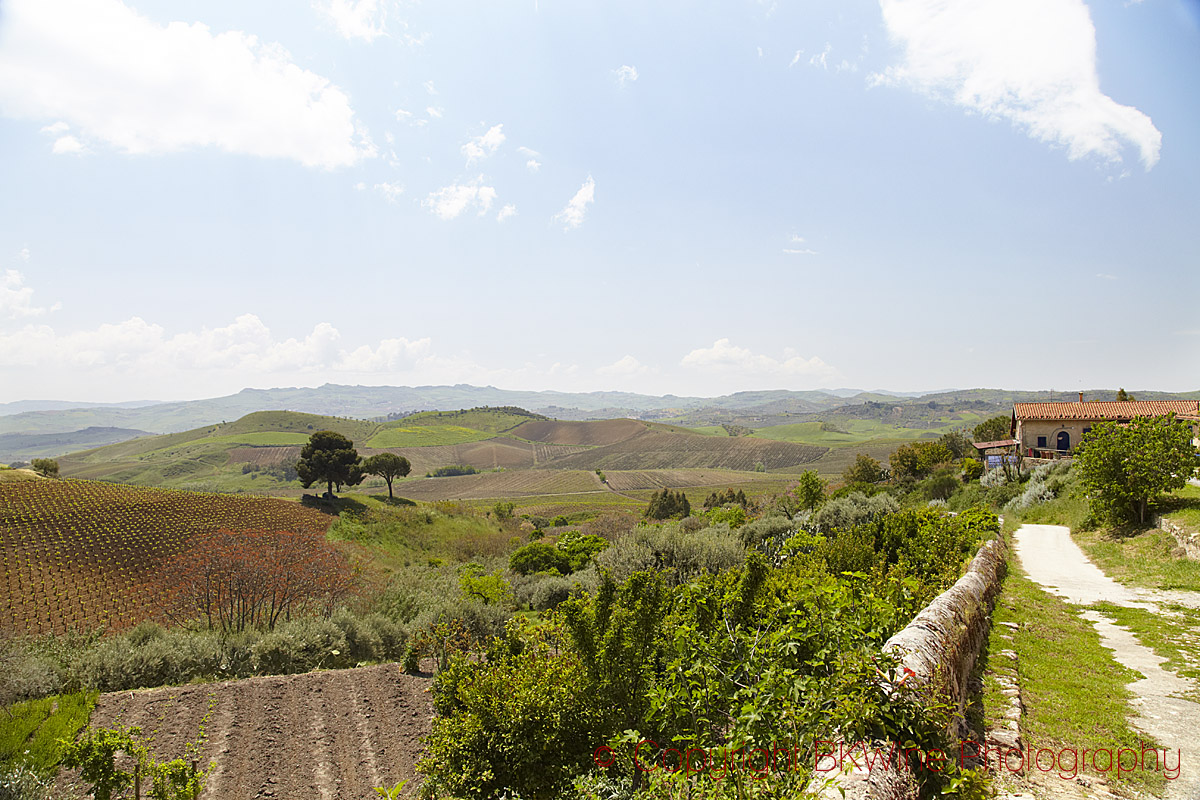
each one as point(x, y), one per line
point(539, 557)
point(671, 548)
point(940, 486)
point(666, 504)
point(300, 645)
point(972, 469)
point(580, 548)
point(854, 509)
point(864, 470)
point(489, 588)
point(19, 782)
point(518, 723)
point(451, 470)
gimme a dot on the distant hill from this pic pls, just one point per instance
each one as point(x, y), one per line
point(752, 409)
point(27, 446)
point(258, 452)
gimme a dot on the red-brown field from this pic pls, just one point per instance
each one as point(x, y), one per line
point(78, 554)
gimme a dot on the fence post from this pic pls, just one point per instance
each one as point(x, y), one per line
point(137, 782)
point(195, 783)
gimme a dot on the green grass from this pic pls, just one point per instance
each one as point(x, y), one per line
point(1074, 693)
point(1174, 635)
point(427, 436)
point(29, 731)
point(486, 421)
point(1183, 506)
point(1143, 560)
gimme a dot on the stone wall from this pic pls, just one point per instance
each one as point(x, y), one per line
point(940, 647)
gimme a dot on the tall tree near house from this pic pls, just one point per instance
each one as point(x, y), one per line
point(1125, 467)
point(329, 458)
point(993, 430)
point(1124, 396)
point(388, 466)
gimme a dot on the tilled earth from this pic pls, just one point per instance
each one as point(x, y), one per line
point(331, 735)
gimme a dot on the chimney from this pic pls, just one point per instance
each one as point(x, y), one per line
point(1081, 397)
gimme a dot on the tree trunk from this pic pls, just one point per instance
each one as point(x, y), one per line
point(331, 488)
point(389, 483)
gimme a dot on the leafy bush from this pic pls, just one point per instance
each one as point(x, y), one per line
point(854, 509)
point(670, 547)
point(517, 723)
point(725, 498)
point(918, 459)
point(544, 592)
point(580, 548)
point(489, 588)
point(864, 470)
point(301, 645)
point(972, 469)
point(539, 557)
point(452, 470)
point(22, 783)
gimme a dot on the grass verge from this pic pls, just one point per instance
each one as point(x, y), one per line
point(1148, 559)
point(29, 731)
point(1175, 636)
point(1074, 693)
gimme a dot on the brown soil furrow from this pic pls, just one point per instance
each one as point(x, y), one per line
point(217, 748)
point(331, 735)
point(360, 708)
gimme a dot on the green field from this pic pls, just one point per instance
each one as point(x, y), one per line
point(847, 432)
point(427, 436)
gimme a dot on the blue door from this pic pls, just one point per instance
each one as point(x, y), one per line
point(1064, 442)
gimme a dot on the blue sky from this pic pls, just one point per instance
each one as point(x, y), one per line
point(657, 197)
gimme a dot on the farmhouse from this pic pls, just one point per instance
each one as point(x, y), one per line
point(1053, 430)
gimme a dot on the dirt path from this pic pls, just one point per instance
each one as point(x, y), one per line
point(332, 735)
point(1053, 560)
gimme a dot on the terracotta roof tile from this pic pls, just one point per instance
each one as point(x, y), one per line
point(1000, 443)
point(1111, 410)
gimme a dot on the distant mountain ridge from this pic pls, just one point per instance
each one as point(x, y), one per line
point(374, 402)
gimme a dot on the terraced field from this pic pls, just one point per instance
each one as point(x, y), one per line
point(633, 480)
point(80, 554)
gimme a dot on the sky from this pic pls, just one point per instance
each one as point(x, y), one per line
point(660, 197)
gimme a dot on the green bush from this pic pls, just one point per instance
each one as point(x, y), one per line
point(580, 548)
point(517, 723)
point(539, 557)
point(300, 645)
point(972, 469)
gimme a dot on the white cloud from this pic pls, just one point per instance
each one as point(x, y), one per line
point(626, 367)
point(67, 145)
point(429, 87)
point(56, 128)
point(509, 210)
point(246, 345)
point(800, 251)
point(484, 145)
point(23, 254)
point(391, 191)
point(16, 299)
point(392, 355)
point(434, 111)
point(795, 58)
point(573, 213)
point(1031, 62)
point(450, 201)
point(533, 165)
point(728, 358)
point(355, 19)
point(1106, 276)
point(141, 87)
point(625, 75)
point(819, 60)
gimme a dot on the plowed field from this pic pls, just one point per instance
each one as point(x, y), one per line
point(332, 735)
